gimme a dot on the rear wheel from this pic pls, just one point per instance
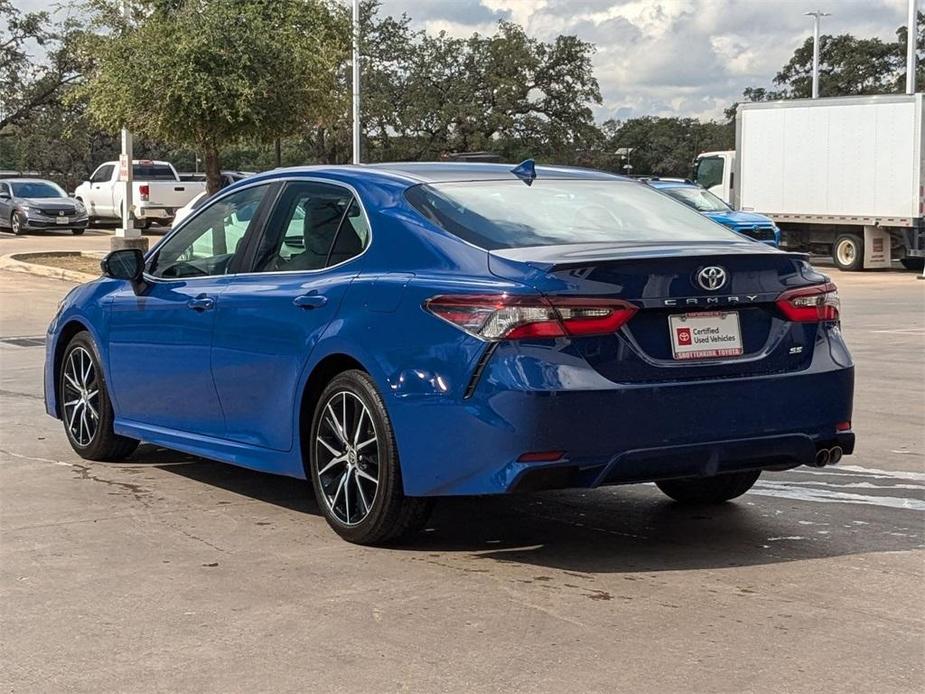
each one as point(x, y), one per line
point(85, 405)
point(848, 252)
point(354, 465)
point(710, 490)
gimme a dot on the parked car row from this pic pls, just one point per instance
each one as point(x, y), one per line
point(159, 195)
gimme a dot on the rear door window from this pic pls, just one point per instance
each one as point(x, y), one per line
point(313, 226)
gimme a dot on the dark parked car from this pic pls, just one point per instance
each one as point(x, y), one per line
point(404, 331)
point(33, 204)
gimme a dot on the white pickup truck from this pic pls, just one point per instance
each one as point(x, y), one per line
point(157, 192)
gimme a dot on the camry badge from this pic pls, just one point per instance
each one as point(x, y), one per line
point(712, 278)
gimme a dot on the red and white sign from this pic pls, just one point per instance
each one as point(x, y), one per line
point(123, 167)
point(705, 335)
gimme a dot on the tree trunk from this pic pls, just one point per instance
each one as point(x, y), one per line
point(213, 169)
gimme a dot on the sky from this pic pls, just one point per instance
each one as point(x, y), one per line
point(660, 57)
point(669, 57)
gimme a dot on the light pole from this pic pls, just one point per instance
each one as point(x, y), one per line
point(127, 236)
point(356, 81)
point(911, 40)
point(816, 17)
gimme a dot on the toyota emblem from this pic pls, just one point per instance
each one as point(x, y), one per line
point(712, 278)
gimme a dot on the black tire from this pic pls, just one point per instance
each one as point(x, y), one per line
point(848, 252)
point(77, 232)
point(390, 514)
point(16, 224)
point(103, 444)
point(915, 264)
point(710, 490)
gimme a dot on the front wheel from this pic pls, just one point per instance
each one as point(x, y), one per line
point(848, 252)
point(16, 224)
point(85, 406)
point(354, 465)
point(77, 232)
point(710, 490)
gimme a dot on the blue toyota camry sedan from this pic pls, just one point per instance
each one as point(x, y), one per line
point(395, 333)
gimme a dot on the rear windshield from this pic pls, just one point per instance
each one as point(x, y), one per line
point(152, 172)
point(511, 214)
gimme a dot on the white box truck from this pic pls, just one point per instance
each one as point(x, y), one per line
point(843, 176)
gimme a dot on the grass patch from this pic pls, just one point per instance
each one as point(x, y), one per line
point(67, 261)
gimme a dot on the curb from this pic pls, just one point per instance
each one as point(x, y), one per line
point(18, 262)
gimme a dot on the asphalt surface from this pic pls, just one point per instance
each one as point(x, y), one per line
point(171, 573)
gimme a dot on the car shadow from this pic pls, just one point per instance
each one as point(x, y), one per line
point(609, 530)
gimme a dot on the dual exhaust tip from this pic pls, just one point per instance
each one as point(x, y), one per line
point(827, 456)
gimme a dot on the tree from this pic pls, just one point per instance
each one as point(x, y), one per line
point(27, 84)
point(212, 73)
point(426, 94)
point(661, 146)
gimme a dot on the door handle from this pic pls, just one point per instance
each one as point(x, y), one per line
point(308, 301)
point(201, 303)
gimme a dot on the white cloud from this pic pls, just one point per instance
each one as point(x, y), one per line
point(670, 57)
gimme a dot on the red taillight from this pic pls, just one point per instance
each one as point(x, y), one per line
point(810, 304)
point(506, 317)
point(144, 191)
point(843, 426)
point(541, 457)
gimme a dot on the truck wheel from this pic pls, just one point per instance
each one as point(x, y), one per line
point(917, 264)
point(848, 252)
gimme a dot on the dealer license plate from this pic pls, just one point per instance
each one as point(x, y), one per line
point(705, 335)
point(62, 220)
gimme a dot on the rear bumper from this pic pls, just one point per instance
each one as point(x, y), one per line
point(618, 433)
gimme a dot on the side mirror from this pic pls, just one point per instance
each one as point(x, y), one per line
point(125, 264)
point(4, 196)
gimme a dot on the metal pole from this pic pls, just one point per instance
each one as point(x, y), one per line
point(816, 16)
point(127, 230)
point(911, 40)
point(356, 81)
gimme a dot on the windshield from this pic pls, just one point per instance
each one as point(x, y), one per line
point(698, 198)
point(36, 189)
point(510, 214)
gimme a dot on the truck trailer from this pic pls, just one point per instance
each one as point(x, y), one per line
point(841, 176)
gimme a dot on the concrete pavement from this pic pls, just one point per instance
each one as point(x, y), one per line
point(170, 573)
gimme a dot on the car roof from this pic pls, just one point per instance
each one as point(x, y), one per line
point(414, 173)
point(669, 183)
point(25, 180)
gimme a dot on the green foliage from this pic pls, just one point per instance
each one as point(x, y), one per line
point(661, 146)
point(26, 84)
point(426, 95)
point(212, 74)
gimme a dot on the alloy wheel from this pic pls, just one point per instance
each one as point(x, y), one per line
point(15, 224)
point(347, 457)
point(81, 396)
